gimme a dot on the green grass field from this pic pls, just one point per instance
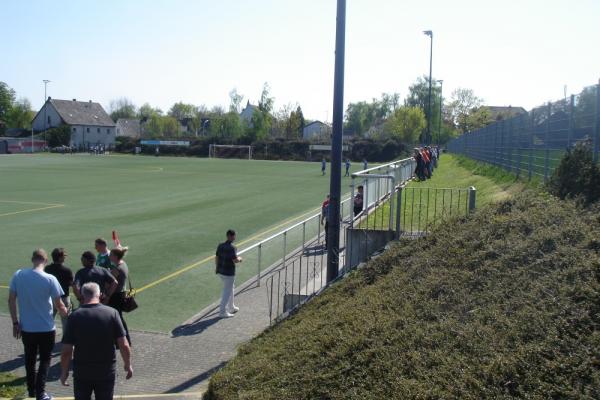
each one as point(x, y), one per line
point(172, 212)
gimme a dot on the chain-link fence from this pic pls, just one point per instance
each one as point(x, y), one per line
point(531, 144)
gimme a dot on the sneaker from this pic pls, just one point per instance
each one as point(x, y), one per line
point(225, 315)
point(45, 396)
point(234, 309)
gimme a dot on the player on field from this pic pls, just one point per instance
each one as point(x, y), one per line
point(323, 166)
point(347, 167)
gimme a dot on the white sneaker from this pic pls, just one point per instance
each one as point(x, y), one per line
point(225, 315)
point(234, 309)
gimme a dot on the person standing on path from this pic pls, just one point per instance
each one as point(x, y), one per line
point(323, 166)
point(120, 271)
point(226, 259)
point(64, 276)
point(325, 217)
point(103, 258)
point(92, 331)
point(34, 292)
point(358, 201)
point(90, 273)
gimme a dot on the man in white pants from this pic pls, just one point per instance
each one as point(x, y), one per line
point(226, 259)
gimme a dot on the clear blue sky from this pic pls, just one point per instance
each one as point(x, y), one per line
point(509, 52)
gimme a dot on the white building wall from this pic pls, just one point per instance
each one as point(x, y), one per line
point(86, 136)
point(313, 130)
point(38, 121)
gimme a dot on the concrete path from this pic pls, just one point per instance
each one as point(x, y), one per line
point(179, 363)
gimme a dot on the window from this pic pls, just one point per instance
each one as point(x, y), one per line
point(108, 131)
point(74, 129)
point(88, 130)
point(98, 130)
point(49, 120)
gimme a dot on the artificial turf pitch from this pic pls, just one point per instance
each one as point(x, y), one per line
point(171, 212)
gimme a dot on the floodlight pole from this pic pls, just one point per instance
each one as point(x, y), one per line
point(441, 82)
point(333, 234)
point(428, 138)
point(46, 82)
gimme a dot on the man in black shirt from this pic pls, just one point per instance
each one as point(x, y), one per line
point(93, 330)
point(226, 258)
point(90, 273)
point(64, 275)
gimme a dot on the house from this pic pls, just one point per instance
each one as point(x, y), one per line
point(315, 129)
point(90, 125)
point(248, 112)
point(129, 127)
point(499, 113)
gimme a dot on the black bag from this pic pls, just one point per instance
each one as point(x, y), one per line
point(129, 304)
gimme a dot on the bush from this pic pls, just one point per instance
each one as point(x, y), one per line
point(59, 136)
point(577, 176)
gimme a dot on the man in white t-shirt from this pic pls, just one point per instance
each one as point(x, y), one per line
point(34, 292)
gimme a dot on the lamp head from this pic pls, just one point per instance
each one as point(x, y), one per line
point(428, 33)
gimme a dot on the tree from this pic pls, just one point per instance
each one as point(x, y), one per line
point(478, 118)
point(153, 127)
point(463, 102)
point(122, 108)
point(7, 97)
point(265, 103)
point(418, 96)
point(236, 101)
point(181, 110)
point(20, 115)
point(363, 117)
point(259, 126)
point(59, 136)
point(406, 124)
point(170, 126)
point(232, 126)
point(295, 124)
point(146, 111)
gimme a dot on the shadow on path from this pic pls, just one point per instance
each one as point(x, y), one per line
point(196, 380)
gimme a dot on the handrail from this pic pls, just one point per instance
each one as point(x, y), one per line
point(283, 231)
point(393, 163)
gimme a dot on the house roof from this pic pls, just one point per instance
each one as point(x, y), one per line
point(129, 127)
point(75, 112)
point(313, 123)
point(500, 111)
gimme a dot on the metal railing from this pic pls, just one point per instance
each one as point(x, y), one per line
point(532, 144)
point(293, 283)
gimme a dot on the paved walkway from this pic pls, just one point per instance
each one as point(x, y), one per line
point(181, 362)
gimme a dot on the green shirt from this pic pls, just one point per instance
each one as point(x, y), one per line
point(103, 260)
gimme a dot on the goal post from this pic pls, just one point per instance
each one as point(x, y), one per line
point(229, 151)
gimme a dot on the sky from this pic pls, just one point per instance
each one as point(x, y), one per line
point(519, 53)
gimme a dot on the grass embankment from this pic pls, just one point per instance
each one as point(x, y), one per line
point(504, 303)
point(456, 172)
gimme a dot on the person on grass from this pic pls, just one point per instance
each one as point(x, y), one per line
point(103, 258)
point(226, 260)
point(33, 292)
point(120, 271)
point(347, 167)
point(323, 166)
point(92, 331)
point(91, 273)
point(64, 276)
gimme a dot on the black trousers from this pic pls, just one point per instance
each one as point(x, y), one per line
point(116, 302)
point(103, 389)
point(37, 343)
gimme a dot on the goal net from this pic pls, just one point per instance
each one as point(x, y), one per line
point(229, 151)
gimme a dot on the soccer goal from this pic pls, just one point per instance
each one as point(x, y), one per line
point(229, 151)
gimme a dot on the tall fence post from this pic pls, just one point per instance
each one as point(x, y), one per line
point(511, 145)
point(472, 198)
point(571, 120)
point(284, 247)
point(399, 211)
point(531, 143)
point(259, 264)
point(596, 139)
point(546, 136)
